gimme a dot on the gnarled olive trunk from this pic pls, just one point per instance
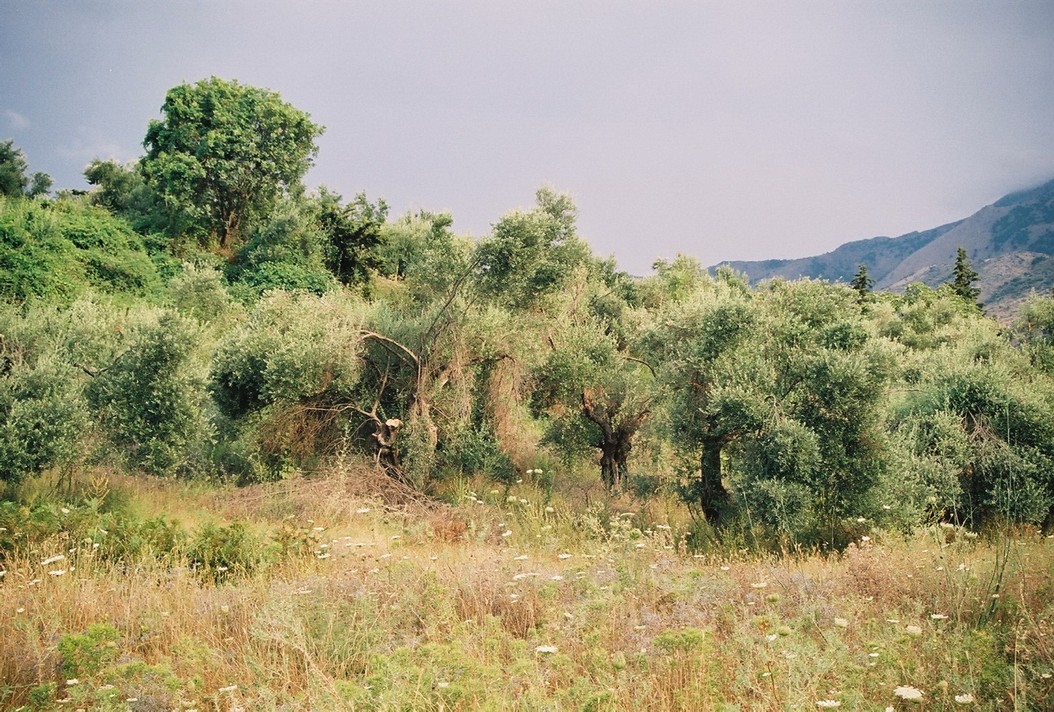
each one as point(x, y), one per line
point(713, 497)
point(614, 454)
point(616, 442)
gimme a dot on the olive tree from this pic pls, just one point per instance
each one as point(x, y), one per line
point(816, 459)
point(594, 392)
point(701, 341)
point(531, 254)
point(281, 378)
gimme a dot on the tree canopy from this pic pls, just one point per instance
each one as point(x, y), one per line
point(13, 178)
point(223, 155)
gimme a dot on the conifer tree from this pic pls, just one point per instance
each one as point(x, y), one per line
point(964, 277)
point(862, 282)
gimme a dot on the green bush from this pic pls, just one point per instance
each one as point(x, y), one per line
point(42, 417)
point(89, 652)
point(281, 379)
point(221, 553)
point(150, 400)
point(287, 253)
point(200, 293)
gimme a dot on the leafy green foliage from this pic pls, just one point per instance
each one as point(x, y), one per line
point(1035, 329)
point(42, 415)
point(150, 399)
point(531, 254)
point(224, 154)
point(422, 251)
point(292, 347)
point(13, 179)
point(281, 379)
point(88, 652)
point(986, 427)
point(224, 552)
point(285, 252)
point(353, 232)
point(60, 249)
point(200, 293)
point(862, 282)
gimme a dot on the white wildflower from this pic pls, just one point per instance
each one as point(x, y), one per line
point(828, 703)
point(841, 622)
point(52, 559)
point(966, 699)
point(913, 630)
point(545, 649)
point(564, 556)
point(906, 692)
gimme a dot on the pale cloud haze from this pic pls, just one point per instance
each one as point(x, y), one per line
point(724, 130)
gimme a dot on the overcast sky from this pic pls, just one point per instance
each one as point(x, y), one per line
point(722, 130)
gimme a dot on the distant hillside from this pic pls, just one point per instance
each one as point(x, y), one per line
point(1011, 244)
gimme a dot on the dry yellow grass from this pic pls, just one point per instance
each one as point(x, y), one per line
point(505, 605)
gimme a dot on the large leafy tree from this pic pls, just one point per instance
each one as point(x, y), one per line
point(815, 458)
point(224, 154)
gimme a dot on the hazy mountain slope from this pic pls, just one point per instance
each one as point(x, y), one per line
point(1010, 243)
point(880, 254)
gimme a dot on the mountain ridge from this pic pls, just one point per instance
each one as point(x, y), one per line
point(1009, 242)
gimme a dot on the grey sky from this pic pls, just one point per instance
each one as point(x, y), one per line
point(723, 130)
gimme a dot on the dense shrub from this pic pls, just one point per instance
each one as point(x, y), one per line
point(280, 378)
point(150, 400)
point(58, 249)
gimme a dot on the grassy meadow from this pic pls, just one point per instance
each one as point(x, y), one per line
point(343, 592)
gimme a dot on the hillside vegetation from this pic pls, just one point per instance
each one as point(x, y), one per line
point(269, 448)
